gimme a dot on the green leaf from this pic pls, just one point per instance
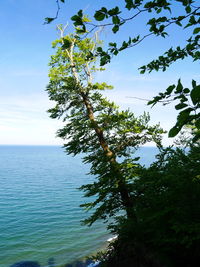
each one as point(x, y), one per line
point(179, 87)
point(154, 101)
point(66, 44)
point(196, 138)
point(194, 83)
point(129, 4)
point(183, 98)
point(74, 17)
point(80, 13)
point(113, 44)
point(158, 10)
point(192, 20)
point(174, 131)
point(178, 23)
point(196, 30)
point(180, 106)
point(197, 123)
point(136, 159)
point(104, 9)
point(114, 11)
point(186, 90)
point(99, 16)
point(188, 9)
point(78, 30)
point(115, 20)
point(184, 117)
point(115, 29)
point(48, 20)
point(170, 89)
point(195, 95)
point(99, 49)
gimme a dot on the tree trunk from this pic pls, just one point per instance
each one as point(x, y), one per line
point(124, 193)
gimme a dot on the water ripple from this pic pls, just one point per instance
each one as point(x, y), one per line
point(39, 207)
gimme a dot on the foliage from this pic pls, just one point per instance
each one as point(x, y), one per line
point(95, 126)
point(163, 15)
point(167, 230)
point(162, 222)
point(188, 104)
point(160, 16)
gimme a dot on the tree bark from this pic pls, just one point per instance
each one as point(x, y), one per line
point(124, 193)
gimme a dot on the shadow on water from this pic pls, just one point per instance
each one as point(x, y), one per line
point(26, 264)
point(51, 263)
point(82, 264)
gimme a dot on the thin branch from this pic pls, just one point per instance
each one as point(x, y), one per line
point(111, 24)
point(170, 22)
point(128, 19)
point(62, 29)
point(48, 20)
point(58, 9)
point(140, 11)
point(147, 100)
point(144, 37)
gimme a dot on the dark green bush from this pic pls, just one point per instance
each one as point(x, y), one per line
point(167, 205)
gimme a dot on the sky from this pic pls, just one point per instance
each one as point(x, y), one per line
point(25, 50)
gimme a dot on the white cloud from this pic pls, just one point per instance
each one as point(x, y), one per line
point(26, 72)
point(24, 121)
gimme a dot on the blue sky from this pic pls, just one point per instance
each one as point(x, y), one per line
point(25, 49)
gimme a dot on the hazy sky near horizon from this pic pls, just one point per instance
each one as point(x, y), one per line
point(25, 52)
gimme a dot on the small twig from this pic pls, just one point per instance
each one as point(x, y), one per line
point(140, 11)
point(58, 9)
point(145, 36)
point(147, 100)
point(62, 29)
point(170, 22)
point(111, 24)
point(48, 20)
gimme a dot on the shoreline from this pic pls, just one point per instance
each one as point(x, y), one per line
point(86, 261)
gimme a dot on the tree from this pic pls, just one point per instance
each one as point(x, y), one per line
point(167, 232)
point(188, 103)
point(161, 226)
point(96, 127)
point(163, 15)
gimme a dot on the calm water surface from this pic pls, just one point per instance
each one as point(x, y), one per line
point(39, 206)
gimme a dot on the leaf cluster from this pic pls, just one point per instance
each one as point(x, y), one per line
point(163, 17)
point(123, 132)
point(92, 122)
point(172, 55)
point(158, 24)
point(167, 230)
point(188, 105)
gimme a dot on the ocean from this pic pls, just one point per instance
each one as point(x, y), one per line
point(39, 206)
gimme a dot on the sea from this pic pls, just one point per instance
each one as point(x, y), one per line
point(40, 214)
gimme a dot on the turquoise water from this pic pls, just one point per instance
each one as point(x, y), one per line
point(39, 206)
